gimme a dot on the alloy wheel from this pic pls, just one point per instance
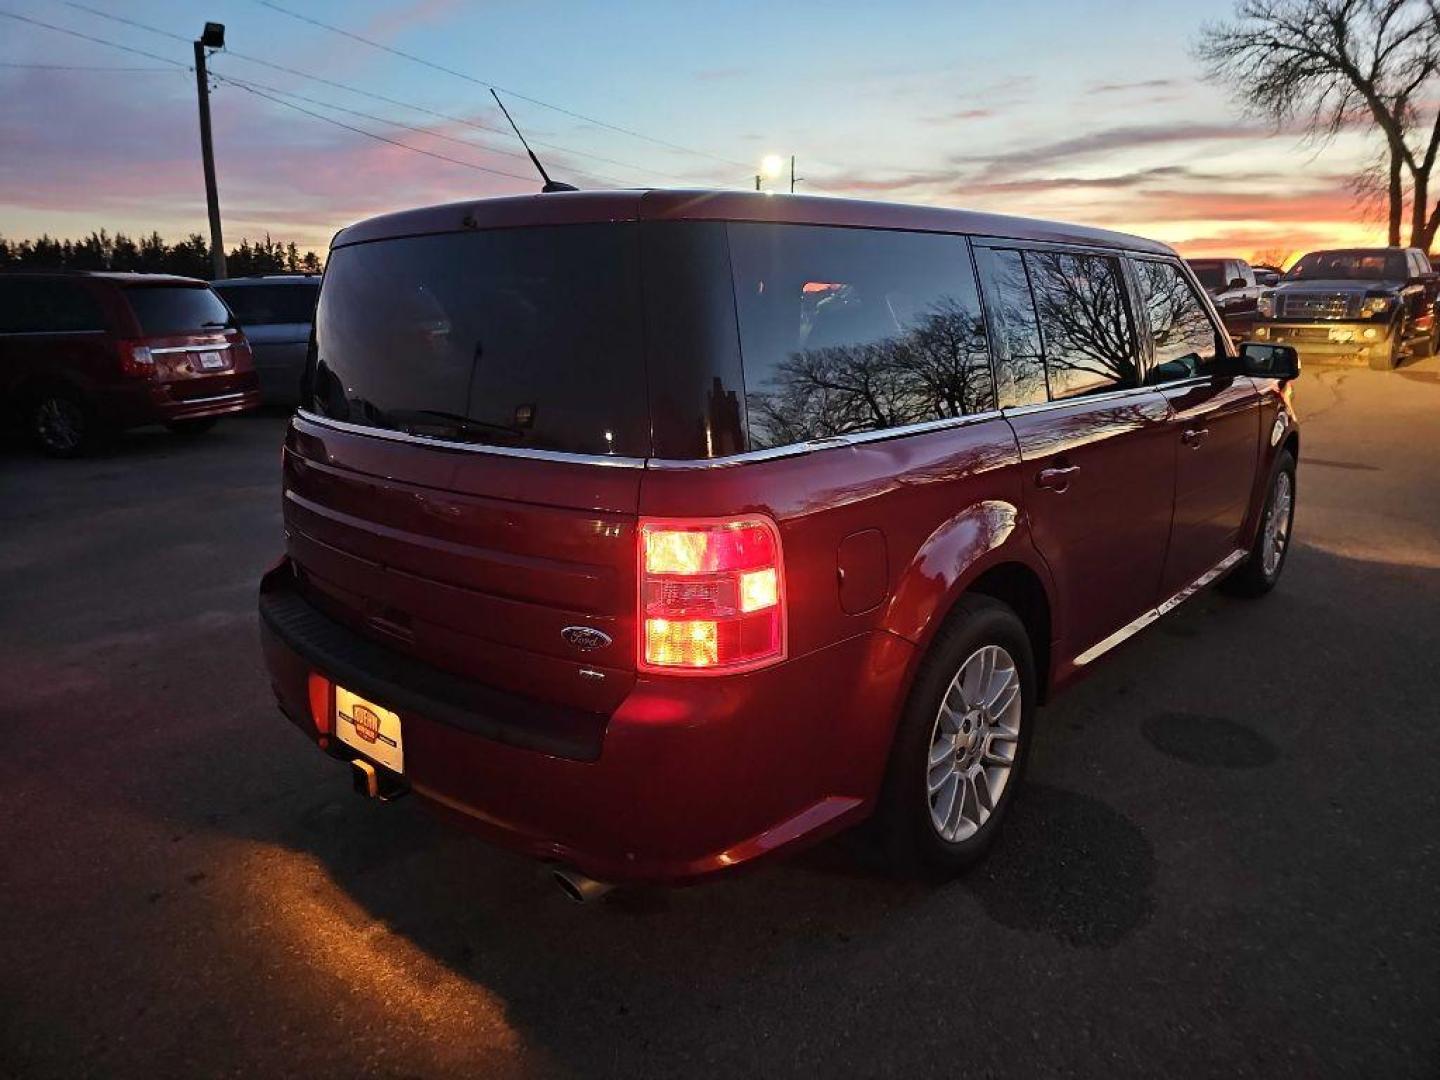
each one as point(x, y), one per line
point(59, 423)
point(1277, 522)
point(974, 743)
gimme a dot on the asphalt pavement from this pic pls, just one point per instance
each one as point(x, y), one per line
point(1226, 860)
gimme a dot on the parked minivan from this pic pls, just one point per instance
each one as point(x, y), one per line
point(83, 355)
point(654, 533)
point(275, 311)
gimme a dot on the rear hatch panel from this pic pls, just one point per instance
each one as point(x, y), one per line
point(472, 562)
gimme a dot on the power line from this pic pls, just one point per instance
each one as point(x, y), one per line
point(380, 138)
point(79, 67)
point(349, 88)
point(489, 85)
point(269, 97)
point(97, 40)
point(246, 84)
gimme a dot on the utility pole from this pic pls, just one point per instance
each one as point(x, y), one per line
point(757, 181)
point(792, 174)
point(212, 37)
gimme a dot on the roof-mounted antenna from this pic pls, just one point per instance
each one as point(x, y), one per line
point(550, 185)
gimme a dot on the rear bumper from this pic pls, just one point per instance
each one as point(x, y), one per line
point(687, 778)
point(167, 402)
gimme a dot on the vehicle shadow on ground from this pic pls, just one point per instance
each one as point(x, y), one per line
point(644, 970)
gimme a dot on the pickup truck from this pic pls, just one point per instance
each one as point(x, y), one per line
point(1356, 305)
point(1233, 287)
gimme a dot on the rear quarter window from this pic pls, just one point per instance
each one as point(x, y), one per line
point(853, 330)
point(176, 309)
point(528, 338)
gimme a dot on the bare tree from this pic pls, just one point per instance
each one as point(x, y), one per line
point(1332, 63)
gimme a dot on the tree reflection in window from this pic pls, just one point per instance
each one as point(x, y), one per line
point(1089, 342)
point(848, 330)
point(1184, 337)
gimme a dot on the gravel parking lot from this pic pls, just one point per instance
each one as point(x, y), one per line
point(1226, 860)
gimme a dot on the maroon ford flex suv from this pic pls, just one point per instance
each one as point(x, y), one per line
point(651, 533)
point(83, 355)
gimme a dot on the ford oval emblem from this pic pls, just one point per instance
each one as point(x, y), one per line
point(586, 637)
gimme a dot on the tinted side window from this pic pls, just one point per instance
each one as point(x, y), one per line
point(851, 330)
point(266, 305)
point(1013, 326)
point(527, 338)
point(692, 347)
point(54, 307)
point(1185, 339)
point(1085, 326)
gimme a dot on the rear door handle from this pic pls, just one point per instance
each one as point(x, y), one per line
point(1194, 436)
point(1056, 478)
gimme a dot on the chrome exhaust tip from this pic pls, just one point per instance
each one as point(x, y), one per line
point(577, 887)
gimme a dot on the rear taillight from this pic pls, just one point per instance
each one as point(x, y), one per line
point(136, 360)
point(712, 595)
point(321, 702)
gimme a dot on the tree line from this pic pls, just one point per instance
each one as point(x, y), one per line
point(153, 255)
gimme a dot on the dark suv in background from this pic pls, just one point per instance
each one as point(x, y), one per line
point(1362, 305)
point(276, 312)
point(653, 533)
point(83, 355)
point(1232, 284)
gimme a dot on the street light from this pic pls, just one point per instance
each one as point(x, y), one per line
point(773, 167)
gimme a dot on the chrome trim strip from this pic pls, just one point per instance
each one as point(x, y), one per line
point(474, 448)
point(49, 333)
point(1132, 628)
point(659, 463)
point(1084, 399)
point(214, 346)
point(209, 400)
point(856, 439)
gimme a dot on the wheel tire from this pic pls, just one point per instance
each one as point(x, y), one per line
point(1389, 360)
point(1427, 345)
point(61, 423)
point(907, 818)
point(1253, 577)
point(188, 429)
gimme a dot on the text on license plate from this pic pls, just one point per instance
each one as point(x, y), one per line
point(372, 730)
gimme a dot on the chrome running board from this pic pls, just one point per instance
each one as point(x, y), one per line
point(1130, 629)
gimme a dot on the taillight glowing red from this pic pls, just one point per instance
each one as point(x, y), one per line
point(136, 360)
point(320, 702)
point(712, 596)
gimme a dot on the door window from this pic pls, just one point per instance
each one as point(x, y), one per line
point(1013, 325)
point(1186, 342)
point(1085, 328)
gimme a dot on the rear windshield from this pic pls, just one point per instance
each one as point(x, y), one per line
point(176, 309)
point(1363, 265)
point(267, 305)
point(526, 338)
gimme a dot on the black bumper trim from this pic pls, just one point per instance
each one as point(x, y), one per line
point(406, 685)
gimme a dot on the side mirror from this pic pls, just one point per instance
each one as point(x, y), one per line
point(1267, 361)
point(1237, 283)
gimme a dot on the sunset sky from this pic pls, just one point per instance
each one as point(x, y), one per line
point(1090, 112)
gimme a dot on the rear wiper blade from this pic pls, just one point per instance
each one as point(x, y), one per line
point(407, 419)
